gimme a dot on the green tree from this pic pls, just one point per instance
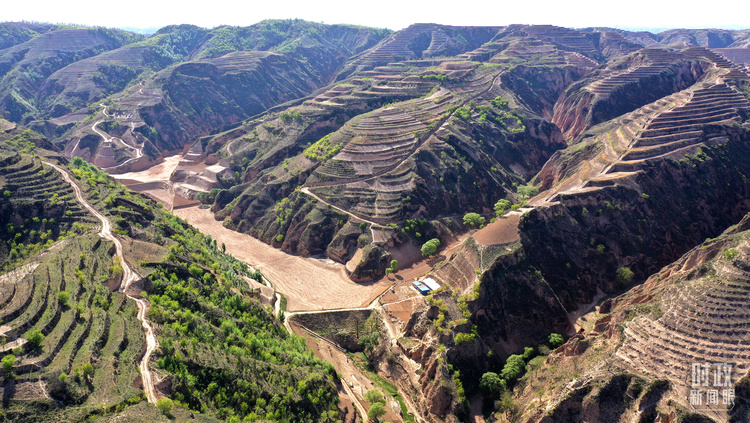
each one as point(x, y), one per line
point(624, 276)
point(502, 206)
point(394, 266)
point(35, 337)
point(491, 384)
point(376, 411)
point(374, 395)
point(555, 340)
point(88, 369)
point(165, 406)
point(8, 362)
point(473, 219)
point(527, 191)
point(430, 247)
point(514, 368)
point(64, 297)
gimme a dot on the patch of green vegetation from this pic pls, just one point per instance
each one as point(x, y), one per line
point(290, 115)
point(474, 219)
point(322, 150)
point(730, 254)
point(440, 77)
point(430, 247)
point(388, 387)
point(223, 347)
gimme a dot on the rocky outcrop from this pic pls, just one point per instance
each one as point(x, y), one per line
point(368, 263)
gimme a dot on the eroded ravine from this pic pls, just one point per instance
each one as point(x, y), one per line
point(128, 277)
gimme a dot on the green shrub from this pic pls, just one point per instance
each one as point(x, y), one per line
point(555, 340)
point(35, 337)
point(502, 206)
point(491, 384)
point(527, 191)
point(730, 254)
point(374, 395)
point(624, 276)
point(430, 247)
point(64, 297)
point(514, 368)
point(165, 406)
point(8, 362)
point(473, 219)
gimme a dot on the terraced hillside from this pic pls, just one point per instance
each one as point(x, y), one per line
point(448, 125)
point(18, 32)
point(691, 312)
point(72, 336)
point(631, 82)
point(37, 206)
point(25, 66)
point(77, 86)
point(591, 159)
point(204, 81)
point(633, 194)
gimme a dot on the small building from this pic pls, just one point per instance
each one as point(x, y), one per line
point(421, 287)
point(431, 283)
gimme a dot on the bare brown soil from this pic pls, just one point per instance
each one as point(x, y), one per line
point(307, 283)
point(160, 172)
point(503, 231)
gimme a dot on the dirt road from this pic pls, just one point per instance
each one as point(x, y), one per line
point(307, 283)
point(128, 277)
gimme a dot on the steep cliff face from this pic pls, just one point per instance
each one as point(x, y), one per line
point(540, 89)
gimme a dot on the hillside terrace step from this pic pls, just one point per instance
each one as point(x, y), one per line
point(654, 362)
point(705, 332)
point(694, 342)
point(687, 112)
point(680, 351)
point(721, 88)
point(714, 89)
point(692, 121)
point(720, 315)
point(610, 178)
point(664, 139)
point(633, 165)
point(677, 129)
point(717, 98)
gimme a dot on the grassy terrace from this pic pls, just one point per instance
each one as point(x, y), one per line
point(75, 330)
point(40, 208)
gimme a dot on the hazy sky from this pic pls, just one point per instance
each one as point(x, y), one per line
point(393, 14)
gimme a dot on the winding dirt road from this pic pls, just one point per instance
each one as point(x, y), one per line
point(128, 277)
point(138, 151)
